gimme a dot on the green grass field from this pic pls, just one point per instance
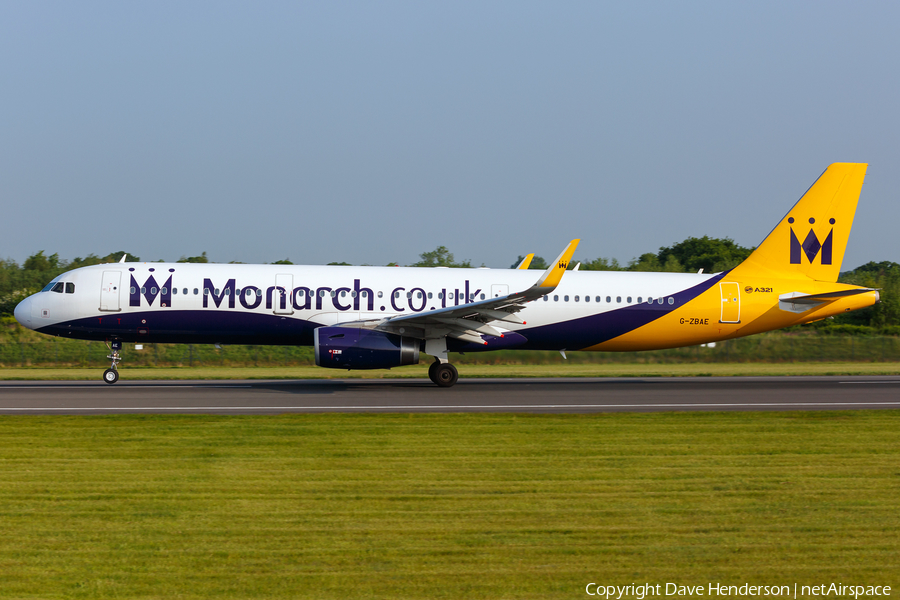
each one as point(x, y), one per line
point(466, 371)
point(443, 506)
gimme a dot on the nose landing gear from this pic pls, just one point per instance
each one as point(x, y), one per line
point(111, 375)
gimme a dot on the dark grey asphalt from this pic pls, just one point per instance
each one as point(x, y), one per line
point(469, 395)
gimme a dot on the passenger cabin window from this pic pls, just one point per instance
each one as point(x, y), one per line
point(597, 299)
point(619, 299)
point(566, 298)
point(609, 299)
point(70, 288)
point(184, 291)
point(671, 300)
point(196, 291)
point(556, 298)
point(577, 298)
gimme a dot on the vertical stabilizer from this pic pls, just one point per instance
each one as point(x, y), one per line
point(810, 240)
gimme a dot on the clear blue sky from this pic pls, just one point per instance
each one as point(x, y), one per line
point(371, 132)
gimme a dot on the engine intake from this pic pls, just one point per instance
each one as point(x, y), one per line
point(355, 348)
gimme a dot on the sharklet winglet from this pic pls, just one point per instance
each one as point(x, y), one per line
point(552, 276)
point(526, 262)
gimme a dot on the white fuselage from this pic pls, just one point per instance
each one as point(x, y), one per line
point(278, 304)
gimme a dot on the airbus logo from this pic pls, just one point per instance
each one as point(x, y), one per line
point(811, 245)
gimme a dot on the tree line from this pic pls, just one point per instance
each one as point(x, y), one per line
point(689, 256)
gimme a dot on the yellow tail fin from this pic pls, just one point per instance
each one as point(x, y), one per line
point(810, 240)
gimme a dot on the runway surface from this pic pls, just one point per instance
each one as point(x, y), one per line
point(469, 395)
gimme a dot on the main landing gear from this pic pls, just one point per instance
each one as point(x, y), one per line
point(111, 375)
point(443, 374)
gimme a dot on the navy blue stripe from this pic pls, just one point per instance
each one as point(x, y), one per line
point(596, 329)
point(190, 327)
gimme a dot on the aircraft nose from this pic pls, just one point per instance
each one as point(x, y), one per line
point(23, 312)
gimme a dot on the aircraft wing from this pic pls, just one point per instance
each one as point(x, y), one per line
point(470, 321)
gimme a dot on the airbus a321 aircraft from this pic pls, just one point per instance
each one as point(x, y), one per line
point(383, 317)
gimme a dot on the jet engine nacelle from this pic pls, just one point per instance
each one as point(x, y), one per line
point(355, 348)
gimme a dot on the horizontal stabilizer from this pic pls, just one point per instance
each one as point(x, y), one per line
point(799, 302)
point(801, 298)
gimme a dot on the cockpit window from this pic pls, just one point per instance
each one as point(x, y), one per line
point(70, 287)
point(58, 287)
point(49, 286)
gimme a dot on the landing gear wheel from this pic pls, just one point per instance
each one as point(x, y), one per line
point(110, 376)
point(445, 375)
point(431, 369)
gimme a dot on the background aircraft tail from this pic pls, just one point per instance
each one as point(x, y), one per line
point(810, 240)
